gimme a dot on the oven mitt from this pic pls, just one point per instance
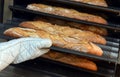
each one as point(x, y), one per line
point(23, 49)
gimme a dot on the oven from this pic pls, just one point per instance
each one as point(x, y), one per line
point(14, 12)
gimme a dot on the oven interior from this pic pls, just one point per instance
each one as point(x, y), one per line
point(107, 64)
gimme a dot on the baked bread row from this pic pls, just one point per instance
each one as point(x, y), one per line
point(57, 40)
point(64, 30)
point(71, 59)
point(71, 13)
point(94, 29)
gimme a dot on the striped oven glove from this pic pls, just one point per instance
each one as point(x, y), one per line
point(23, 49)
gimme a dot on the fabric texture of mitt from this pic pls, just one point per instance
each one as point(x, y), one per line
point(23, 49)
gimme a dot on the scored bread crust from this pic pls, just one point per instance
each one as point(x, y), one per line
point(71, 59)
point(97, 30)
point(64, 30)
point(71, 13)
point(70, 43)
point(93, 2)
point(94, 29)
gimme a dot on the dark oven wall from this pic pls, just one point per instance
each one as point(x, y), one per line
point(1, 10)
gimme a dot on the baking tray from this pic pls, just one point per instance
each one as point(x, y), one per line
point(104, 70)
point(43, 67)
point(110, 54)
point(68, 70)
point(105, 57)
point(108, 10)
point(24, 10)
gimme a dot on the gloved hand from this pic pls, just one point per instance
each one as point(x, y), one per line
point(23, 49)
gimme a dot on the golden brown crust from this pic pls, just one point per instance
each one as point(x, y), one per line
point(94, 2)
point(70, 43)
point(71, 59)
point(66, 12)
point(97, 30)
point(64, 30)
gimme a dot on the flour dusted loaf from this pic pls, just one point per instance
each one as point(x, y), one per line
point(93, 2)
point(64, 30)
point(71, 59)
point(94, 29)
point(71, 13)
point(58, 40)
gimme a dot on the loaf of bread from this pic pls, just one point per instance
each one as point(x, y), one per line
point(93, 2)
point(57, 40)
point(97, 30)
point(94, 29)
point(66, 12)
point(64, 30)
point(71, 59)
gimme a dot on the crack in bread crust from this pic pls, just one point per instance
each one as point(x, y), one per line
point(82, 46)
point(71, 33)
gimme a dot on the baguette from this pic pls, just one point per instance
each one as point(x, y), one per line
point(93, 2)
point(64, 30)
point(71, 59)
point(57, 40)
point(97, 30)
point(94, 29)
point(66, 12)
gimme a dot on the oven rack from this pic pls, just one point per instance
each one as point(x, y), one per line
point(102, 70)
point(41, 64)
point(105, 57)
point(110, 54)
point(61, 68)
point(108, 10)
point(15, 23)
point(23, 9)
point(111, 42)
point(110, 45)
